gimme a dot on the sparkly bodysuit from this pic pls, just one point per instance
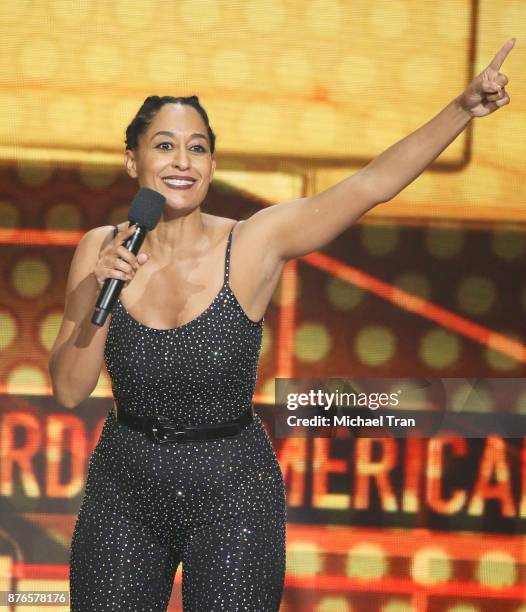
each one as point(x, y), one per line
point(217, 506)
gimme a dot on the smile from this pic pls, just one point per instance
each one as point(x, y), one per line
point(179, 183)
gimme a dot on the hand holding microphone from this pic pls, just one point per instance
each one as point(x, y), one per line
point(116, 263)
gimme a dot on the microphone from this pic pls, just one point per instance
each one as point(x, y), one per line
point(145, 211)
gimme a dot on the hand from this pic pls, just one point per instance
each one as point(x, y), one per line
point(115, 261)
point(485, 94)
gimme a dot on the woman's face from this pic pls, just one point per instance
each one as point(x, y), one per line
point(182, 149)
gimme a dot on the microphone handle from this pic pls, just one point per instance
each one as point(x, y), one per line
point(113, 286)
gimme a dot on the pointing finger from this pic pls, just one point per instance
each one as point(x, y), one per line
point(496, 62)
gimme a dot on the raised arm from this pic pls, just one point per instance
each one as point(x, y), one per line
point(300, 226)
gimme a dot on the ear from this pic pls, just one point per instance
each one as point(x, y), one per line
point(130, 164)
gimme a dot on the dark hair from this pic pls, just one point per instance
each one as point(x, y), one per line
point(149, 109)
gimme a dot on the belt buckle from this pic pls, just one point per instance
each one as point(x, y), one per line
point(156, 427)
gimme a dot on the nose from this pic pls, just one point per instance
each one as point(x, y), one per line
point(180, 158)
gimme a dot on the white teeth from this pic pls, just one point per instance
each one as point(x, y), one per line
point(178, 182)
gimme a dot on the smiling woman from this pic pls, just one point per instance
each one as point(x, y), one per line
point(152, 140)
point(184, 470)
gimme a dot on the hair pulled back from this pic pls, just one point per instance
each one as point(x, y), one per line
point(149, 109)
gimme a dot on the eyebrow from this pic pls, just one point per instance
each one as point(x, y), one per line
point(167, 133)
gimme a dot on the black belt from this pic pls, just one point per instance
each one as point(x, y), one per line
point(160, 429)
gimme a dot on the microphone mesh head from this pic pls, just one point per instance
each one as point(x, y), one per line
point(146, 208)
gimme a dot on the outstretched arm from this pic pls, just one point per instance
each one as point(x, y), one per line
point(400, 164)
point(300, 226)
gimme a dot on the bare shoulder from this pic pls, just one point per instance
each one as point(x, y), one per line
point(97, 238)
point(81, 284)
point(257, 227)
point(254, 269)
point(217, 222)
point(247, 234)
point(218, 227)
point(254, 252)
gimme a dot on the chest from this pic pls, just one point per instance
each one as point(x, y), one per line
point(169, 297)
point(216, 346)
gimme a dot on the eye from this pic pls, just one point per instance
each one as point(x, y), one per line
point(161, 146)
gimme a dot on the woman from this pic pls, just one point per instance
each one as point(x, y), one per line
point(179, 345)
point(183, 344)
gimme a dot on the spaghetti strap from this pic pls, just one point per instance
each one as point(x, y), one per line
point(227, 256)
point(115, 230)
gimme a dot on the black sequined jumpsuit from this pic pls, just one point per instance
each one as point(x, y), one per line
point(217, 506)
